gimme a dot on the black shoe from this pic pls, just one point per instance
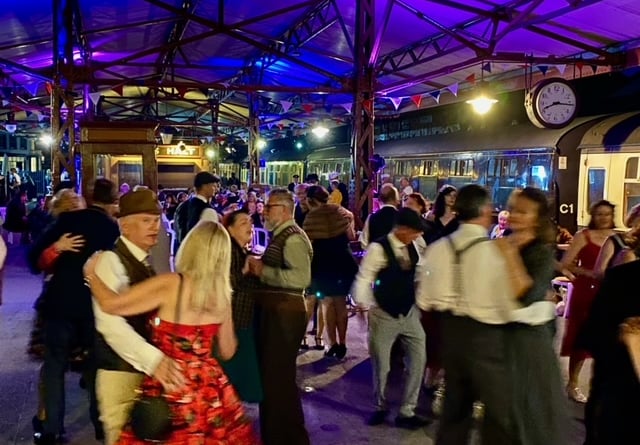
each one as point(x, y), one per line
point(304, 346)
point(319, 344)
point(341, 352)
point(37, 425)
point(332, 351)
point(44, 439)
point(377, 418)
point(99, 433)
point(411, 423)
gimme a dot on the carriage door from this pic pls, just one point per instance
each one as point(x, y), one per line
point(595, 171)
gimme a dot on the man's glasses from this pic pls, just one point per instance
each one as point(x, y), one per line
point(269, 206)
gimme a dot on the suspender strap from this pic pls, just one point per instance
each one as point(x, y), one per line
point(457, 271)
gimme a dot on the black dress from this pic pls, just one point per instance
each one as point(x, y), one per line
point(539, 403)
point(435, 230)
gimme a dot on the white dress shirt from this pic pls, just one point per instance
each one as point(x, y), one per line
point(373, 262)
point(119, 334)
point(485, 291)
point(208, 214)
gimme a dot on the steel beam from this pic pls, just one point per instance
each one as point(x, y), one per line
point(363, 111)
point(254, 136)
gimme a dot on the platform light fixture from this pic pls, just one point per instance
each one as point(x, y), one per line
point(261, 143)
point(46, 139)
point(484, 99)
point(320, 131)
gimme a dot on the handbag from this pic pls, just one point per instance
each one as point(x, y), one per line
point(151, 418)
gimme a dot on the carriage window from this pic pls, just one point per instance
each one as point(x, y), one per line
point(595, 185)
point(631, 196)
point(631, 172)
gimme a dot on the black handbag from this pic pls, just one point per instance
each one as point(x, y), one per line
point(151, 418)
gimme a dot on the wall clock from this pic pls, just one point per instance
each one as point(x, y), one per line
point(551, 103)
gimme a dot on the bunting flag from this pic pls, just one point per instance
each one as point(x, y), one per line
point(436, 95)
point(119, 90)
point(182, 91)
point(48, 87)
point(286, 105)
point(561, 68)
point(471, 78)
point(543, 69)
point(28, 113)
point(367, 104)
point(396, 101)
point(41, 117)
point(308, 108)
point(580, 65)
point(209, 139)
point(5, 102)
point(95, 97)
point(417, 99)
point(225, 85)
point(454, 89)
point(270, 125)
point(280, 126)
point(328, 107)
point(347, 106)
point(32, 88)
point(594, 68)
point(487, 67)
point(302, 124)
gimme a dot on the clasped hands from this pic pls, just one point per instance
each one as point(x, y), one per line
point(253, 266)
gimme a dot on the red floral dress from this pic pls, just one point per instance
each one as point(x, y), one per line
point(207, 411)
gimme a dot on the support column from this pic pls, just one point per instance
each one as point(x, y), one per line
point(363, 112)
point(62, 91)
point(214, 107)
point(254, 136)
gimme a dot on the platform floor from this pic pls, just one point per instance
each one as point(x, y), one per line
point(337, 395)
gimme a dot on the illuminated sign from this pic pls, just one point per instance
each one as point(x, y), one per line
point(179, 150)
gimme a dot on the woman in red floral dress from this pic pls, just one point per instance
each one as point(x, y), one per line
point(206, 409)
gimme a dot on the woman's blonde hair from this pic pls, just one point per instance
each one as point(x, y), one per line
point(205, 256)
point(66, 200)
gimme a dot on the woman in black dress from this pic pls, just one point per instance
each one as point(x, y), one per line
point(539, 406)
point(442, 219)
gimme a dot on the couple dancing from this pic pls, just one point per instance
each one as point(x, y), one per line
point(189, 314)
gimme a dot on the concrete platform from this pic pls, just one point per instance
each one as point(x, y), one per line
point(337, 397)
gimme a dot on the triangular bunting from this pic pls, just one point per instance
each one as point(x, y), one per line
point(119, 90)
point(280, 126)
point(487, 67)
point(5, 102)
point(367, 104)
point(454, 89)
point(543, 69)
point(471, 78)
point(308, 108)
point(286, 105)
point(182, 91)
point(561, 68)
point(95, 97)
point(28, 113)
point(435, 95)
point(41, 117)
point(580, 65)
point(347, 106)
point(417, 99)
point(209, 139)
point(269, 125)
point(48, 87)
point(594, 68)
point(396, 101)
point(32, 88)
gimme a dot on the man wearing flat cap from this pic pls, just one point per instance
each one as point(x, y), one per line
point(385, 284)
point(66, 309)
point(123, 351)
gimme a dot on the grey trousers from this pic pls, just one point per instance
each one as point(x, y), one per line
point(384, 330)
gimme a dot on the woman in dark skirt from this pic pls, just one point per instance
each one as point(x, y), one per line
point(242, 369)
point(539, 407)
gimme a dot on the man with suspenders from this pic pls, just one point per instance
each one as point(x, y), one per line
point(464, 276)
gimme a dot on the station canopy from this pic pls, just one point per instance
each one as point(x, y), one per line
point(176, 61)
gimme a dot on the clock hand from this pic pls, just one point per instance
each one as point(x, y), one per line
point(557, 103)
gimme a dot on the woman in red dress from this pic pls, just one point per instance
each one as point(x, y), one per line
point(193, 312)
point(578, 264)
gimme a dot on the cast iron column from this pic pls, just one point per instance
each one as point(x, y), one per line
point(254, 135)
point(363, 111)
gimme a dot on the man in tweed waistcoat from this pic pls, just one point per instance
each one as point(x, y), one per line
point(284, 272)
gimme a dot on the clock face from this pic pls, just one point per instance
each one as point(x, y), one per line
point(556, 103)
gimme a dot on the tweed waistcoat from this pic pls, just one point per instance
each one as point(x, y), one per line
point(136, 271)
point(274, 255)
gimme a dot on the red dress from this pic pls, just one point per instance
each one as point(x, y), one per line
point(584, 291)
point(207, 411)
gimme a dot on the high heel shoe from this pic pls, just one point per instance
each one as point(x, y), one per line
point(304, 346)
point(576, 395)
point(319, 344)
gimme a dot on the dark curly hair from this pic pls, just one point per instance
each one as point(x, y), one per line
point(439, 205)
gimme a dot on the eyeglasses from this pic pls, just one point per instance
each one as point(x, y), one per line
point(269, 206)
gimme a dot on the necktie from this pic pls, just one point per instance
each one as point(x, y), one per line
point(147, 265)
